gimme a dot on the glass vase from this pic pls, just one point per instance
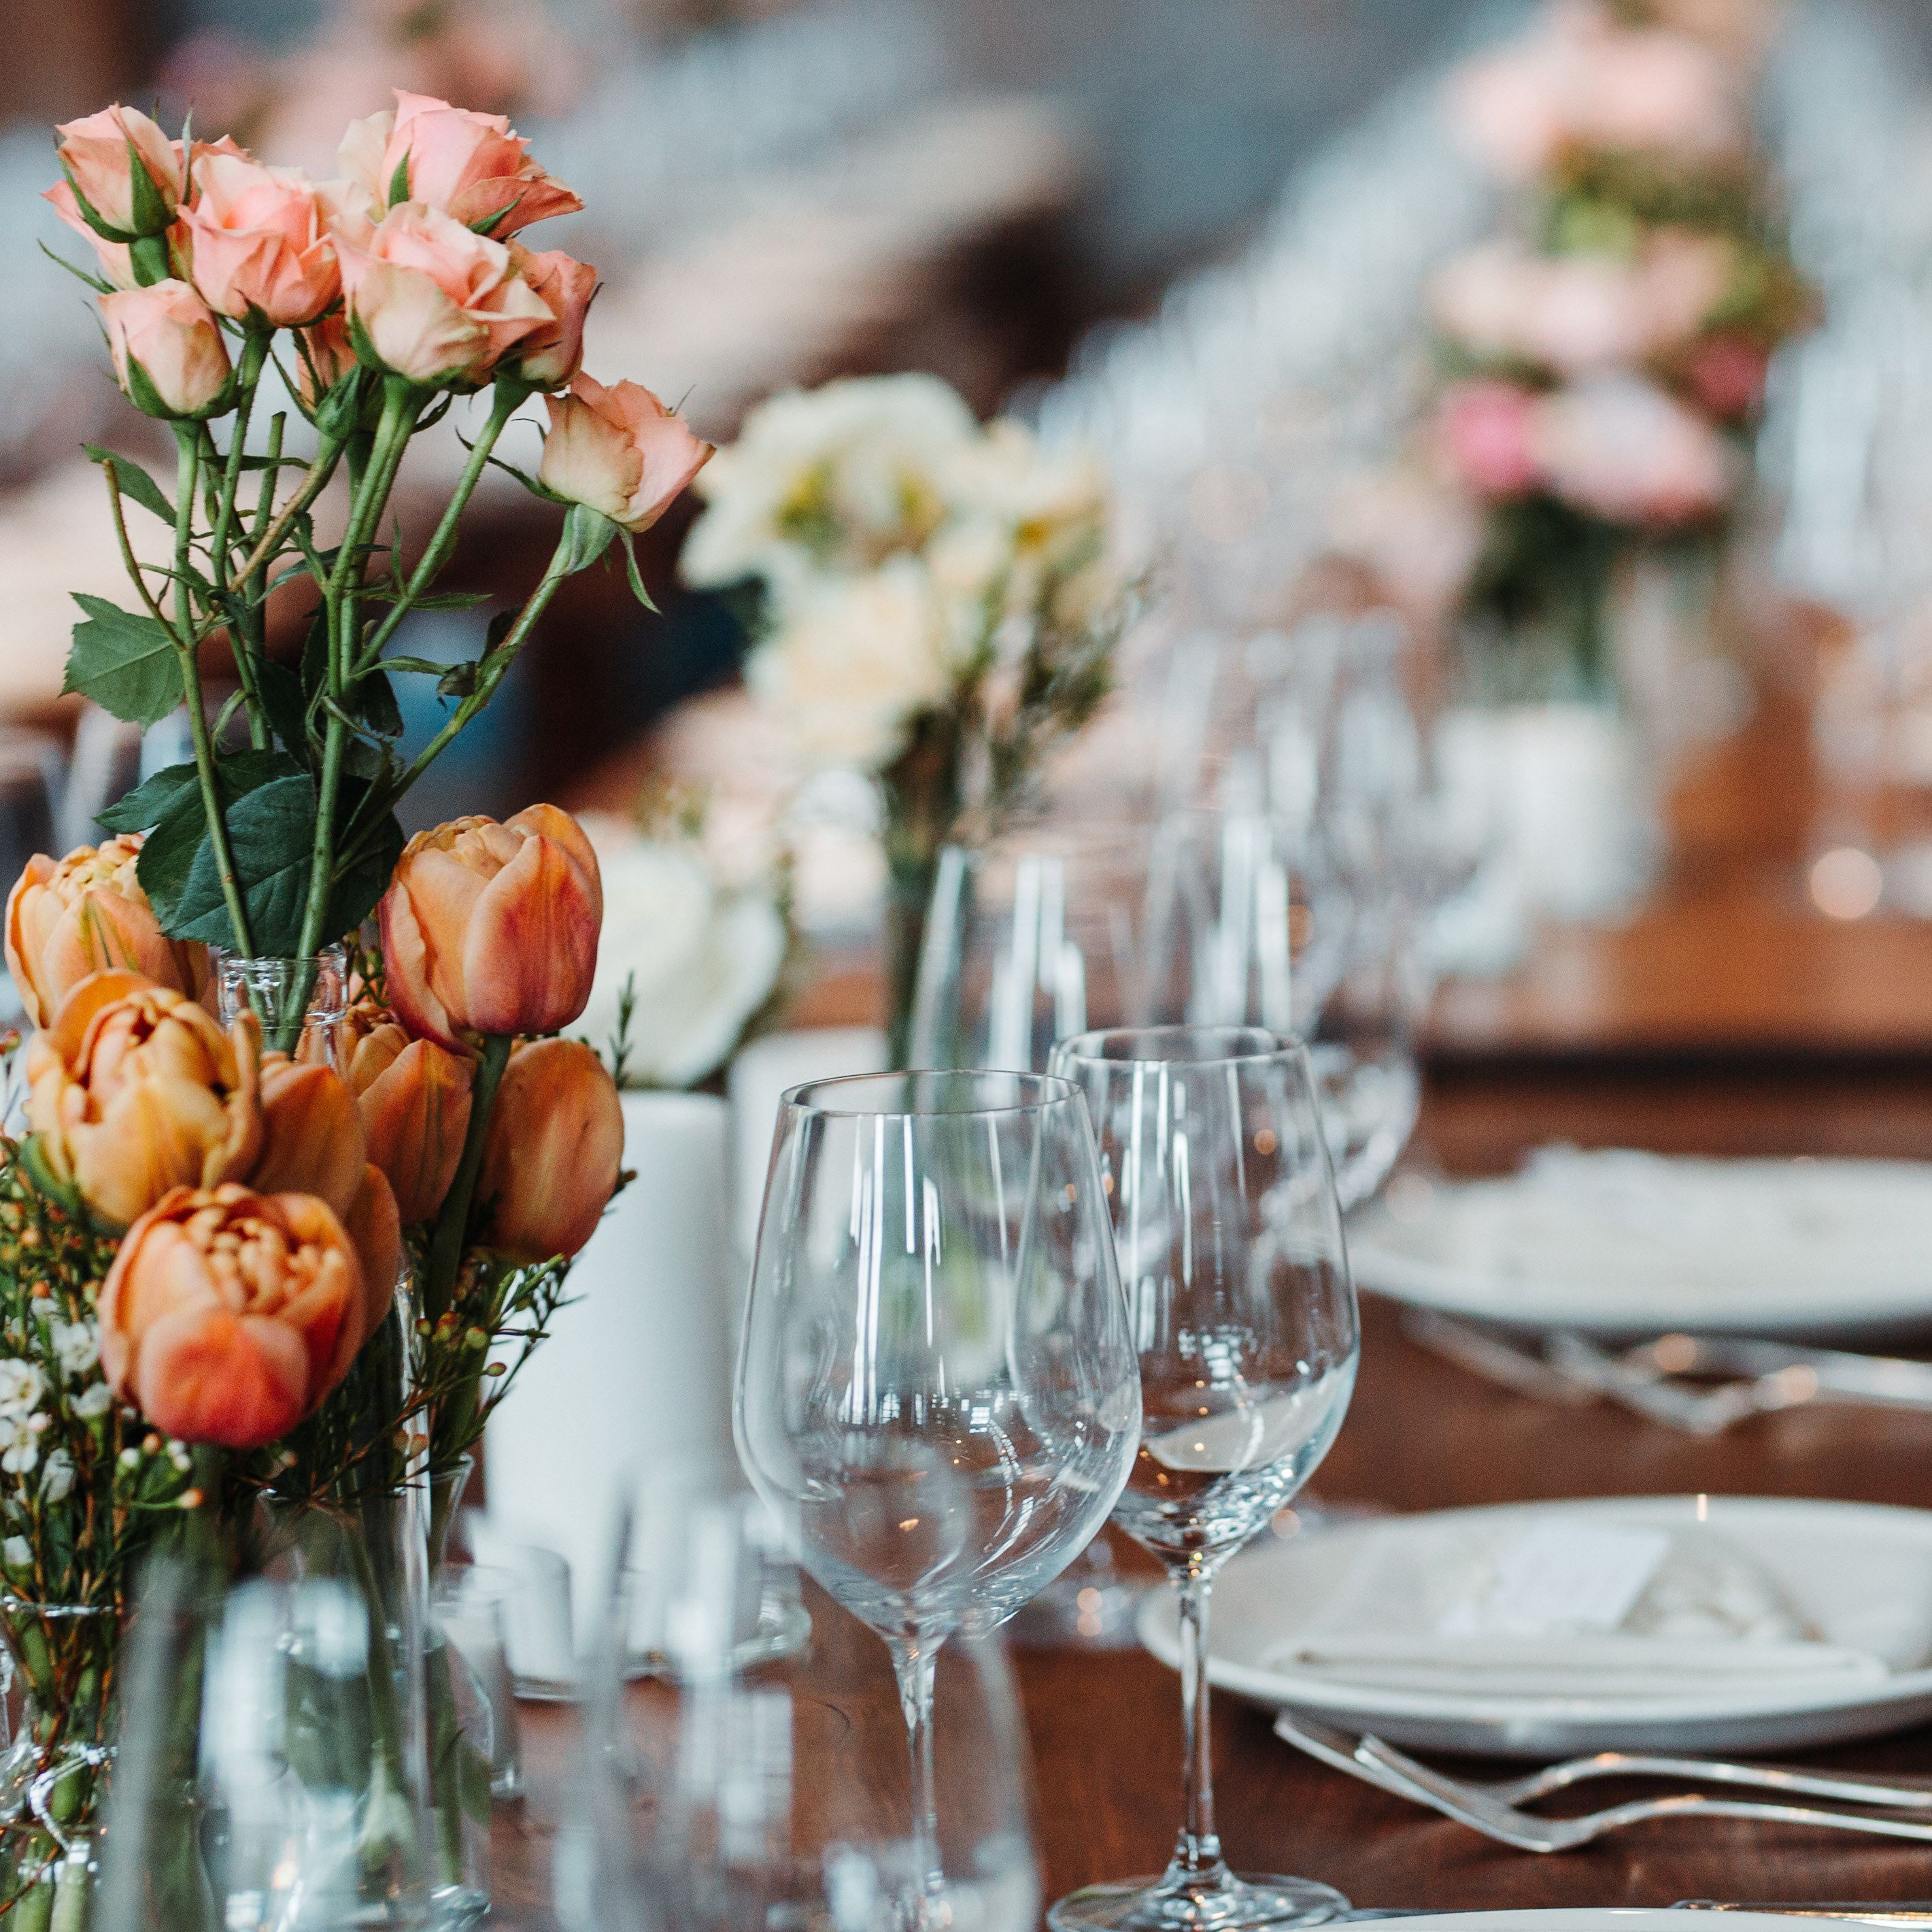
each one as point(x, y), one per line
point(275, 990)
point(461, 1732)
point(52, 1775)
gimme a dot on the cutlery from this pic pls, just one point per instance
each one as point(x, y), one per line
point(1369, 1759)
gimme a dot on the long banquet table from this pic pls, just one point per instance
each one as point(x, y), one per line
point(1646, 1060)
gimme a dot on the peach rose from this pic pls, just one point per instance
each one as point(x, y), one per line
point(550, 1160)
point(128, 171)
point(551, 357)
point(117, 264)
point(134, 1089)
point(620, 450)
point(414, 1099)
point(229, 1314)
point(260, 246)
point(472, 166)
point(71, 917)
point(312, 1139)
point(490, 928)
point(429, 301)
point(330, 356)
point(168, 355)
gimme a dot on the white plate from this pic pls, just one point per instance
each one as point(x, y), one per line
point(1618, 1244)
point(1841, 1565)
point(1605, 1918)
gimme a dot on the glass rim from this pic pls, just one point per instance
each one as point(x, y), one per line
point(1285, 1046)
point(796, 1100)
point(12, 1603)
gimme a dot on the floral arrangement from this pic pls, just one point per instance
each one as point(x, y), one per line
point(283, 1251)
point(936, 607)
point(1606, 363)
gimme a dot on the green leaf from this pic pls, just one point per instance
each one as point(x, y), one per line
point(399, 181)
point(440, 600)
point(168, 855)
point(499, 628)
point(282, 699)
point(46, 1183)
point(150, 801)
point(418, 666)
point(154, 211)
point(375, 705)
point(272, 838)
point(637, 589)
point(92, 281)
point(588, 532)
point(357, 890)
point(127, 663)
point(458, 681)
point(89, 213)
point(133, 481)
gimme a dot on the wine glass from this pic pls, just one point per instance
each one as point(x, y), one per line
point(1230, 1240)
point(739, 1788)
point(937, 1387)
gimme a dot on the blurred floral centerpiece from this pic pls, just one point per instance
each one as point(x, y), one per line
point(1605, 358)
point(936, 607)
point(267, 1262)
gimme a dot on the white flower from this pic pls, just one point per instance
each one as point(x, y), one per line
point(77, 1346)
point(838, 477)
point(1625, 452)
point(20, 1446)
point(17, 1553)
point(57, 1479)
point(701, 961)
point(853, 661)
point(97, 1400)
point(21, 1385)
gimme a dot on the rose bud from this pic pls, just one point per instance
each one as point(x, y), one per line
point(261, 249)
point(71, 917)
point(549, 358)
point(431, 302)
point(414, 1098)
point(100, 156)
point(117, 264)
point(550, 1159)
point(312, 1139)
point(618, 450)
point(168, 355)
point(490, 928)
point(134, 1089)
point(471, 166)
point(229, 1314)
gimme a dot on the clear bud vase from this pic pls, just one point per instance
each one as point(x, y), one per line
point(270, 988)
point(462, 1734)
point(53, 1774)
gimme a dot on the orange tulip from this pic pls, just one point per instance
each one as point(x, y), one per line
point(68, 917)
point(374, 1225)
point(414, 1098)
point(134, 1089)
point(550, 1160)
point(229, 1314)
point(490, 928)
point(312, 1139)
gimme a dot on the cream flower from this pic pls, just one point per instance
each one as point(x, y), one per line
point(853, 660)
point(21, 1385)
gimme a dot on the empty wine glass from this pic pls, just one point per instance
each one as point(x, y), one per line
point(1230, 1241)
point(937, 1387)
point(739, 1787)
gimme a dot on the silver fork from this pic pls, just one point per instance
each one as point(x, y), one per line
point(1382, 1764)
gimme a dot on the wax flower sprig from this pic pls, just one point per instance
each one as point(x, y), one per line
point(381, 297)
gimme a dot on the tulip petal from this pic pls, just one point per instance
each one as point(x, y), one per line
point(410, 968)
point(530, 951)
point(208, 1375)
point(312, 1139)
point(375, 1230)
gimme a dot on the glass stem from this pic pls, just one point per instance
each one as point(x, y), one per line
point(915, 1663)
point(1197, 1853)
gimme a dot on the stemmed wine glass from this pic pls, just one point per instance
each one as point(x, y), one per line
point(1229, 1237)
point(937, 1387)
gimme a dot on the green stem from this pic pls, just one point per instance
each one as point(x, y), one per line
point(504, 400)
point(314, 481)
point(254, 351)
point(187, 470)
point(251, 617)
point(452, 1222)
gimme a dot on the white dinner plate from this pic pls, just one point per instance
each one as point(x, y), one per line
point(1622, 1244)
point(1605, 1918)
point(1859, 1574)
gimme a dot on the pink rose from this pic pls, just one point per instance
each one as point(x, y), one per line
point(472, 166)
point(1622, 449)
point(116, 264)
point(1726, 375)
point(168, 352)
point(551, 357)
point(1487, 431)
point(620, 450)
point(100, 156)
point(429, 301)
point(260, 247)
point(325, 356)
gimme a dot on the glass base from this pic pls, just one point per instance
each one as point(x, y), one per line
point(1227, 1902)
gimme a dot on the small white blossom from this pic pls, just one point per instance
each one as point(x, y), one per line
point(17, 1552)
point(58, 1480)
point(43, 1308)
point(97, 1400)
point(77, 1346)
point(21, 1385)
point(20, 1447)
